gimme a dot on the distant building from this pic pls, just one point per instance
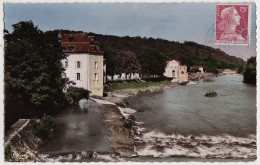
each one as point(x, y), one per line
point(84, 63)
point(195, 69)
point(229, 72)
point(176, 71)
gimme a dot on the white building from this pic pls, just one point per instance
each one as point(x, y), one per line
point(84, 63)
point(229, 72)
point(176, 71)
point(196, 69)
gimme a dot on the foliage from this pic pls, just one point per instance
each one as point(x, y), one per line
point(249, 72)
point(169, 49)
point(152, 63)
point(111, 63)
point(211, 94)
point(130, 122)
point(77, 93)
point(209, 65)
point(240, 69)
point(133, 85)
point(8, 152)
point(127, 62)
point(33, 67)
point(42, 129)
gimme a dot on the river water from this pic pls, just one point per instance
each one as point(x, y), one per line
point(184, 117)
point(186, 110)
point(176, 123)
point(79, 128)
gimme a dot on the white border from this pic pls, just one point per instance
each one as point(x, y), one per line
point(123, 1)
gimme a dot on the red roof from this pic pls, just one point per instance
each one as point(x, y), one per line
point(79, 43)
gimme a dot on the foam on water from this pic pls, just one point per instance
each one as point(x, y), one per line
point(157, 144)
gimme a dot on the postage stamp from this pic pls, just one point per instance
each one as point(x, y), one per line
point(232, 24)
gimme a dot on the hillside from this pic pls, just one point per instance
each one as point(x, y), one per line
point(169, 49)
point(189, 53)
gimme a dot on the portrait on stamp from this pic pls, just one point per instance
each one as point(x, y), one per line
point(232, 24)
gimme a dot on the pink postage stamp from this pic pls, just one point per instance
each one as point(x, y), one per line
point(232, 24)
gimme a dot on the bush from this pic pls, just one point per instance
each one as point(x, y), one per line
point(78, 93)
point(43, 129)
point(8, 152)
point(250, 71)
point(211, 94)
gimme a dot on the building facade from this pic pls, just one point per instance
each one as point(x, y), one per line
point(196, 69)
point(84, 63)
point(176, 71)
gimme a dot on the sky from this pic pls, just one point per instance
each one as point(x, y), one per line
point(171, 21)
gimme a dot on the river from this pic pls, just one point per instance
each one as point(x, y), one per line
point(175, 123)
point(79, 128)
point(185, 115)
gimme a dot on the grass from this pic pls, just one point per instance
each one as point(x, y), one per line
point(8, 152)
point(133, 85)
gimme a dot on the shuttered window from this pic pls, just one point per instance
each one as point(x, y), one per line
point(78, 64)
point(96, 65)
point(95, 77)
point(78, 76)
point(66, 64)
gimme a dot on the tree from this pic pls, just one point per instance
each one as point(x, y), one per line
point(111, 63)
point(77, 93)
point(33, 67)
point(152, 63)
point(127, 62)
point(250, 71)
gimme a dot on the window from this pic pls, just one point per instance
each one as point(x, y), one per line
point(71, 39)
point(70, 48)
point(78, 76)
point(173, 73)
point(66, 64)
point(96, 65)
point(95, 77)
point(78, 64)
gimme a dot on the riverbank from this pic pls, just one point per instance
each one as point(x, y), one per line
point(198, 76)
point(118, 96)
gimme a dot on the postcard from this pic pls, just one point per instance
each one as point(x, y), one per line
point(130, 82)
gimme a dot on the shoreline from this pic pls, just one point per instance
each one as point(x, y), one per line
point(118, 97)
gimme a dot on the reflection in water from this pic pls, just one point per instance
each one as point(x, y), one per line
point(185, 110)
point(79, 128)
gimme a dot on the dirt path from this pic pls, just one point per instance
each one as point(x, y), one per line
point(121, 138)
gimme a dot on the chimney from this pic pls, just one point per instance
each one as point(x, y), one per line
point(59, 36)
